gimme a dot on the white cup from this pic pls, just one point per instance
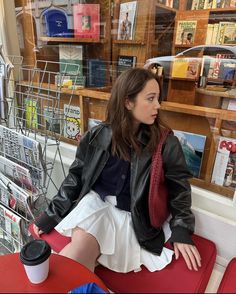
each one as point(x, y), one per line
point(37, 273)
point(35, 258)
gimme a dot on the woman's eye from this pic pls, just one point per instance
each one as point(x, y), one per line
point(150, 99)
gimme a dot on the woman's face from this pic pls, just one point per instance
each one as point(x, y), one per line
point(145, 108)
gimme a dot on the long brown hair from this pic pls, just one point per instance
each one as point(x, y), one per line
point(127, 86)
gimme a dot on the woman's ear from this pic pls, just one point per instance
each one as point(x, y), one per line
point(128, 104)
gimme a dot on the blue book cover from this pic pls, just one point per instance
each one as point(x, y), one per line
point(97, 73)
point(193, 147)
point(56, 23)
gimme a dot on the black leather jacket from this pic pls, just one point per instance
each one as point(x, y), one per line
point(91, 156)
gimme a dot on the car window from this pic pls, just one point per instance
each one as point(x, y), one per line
point(196, 52)
point(212, 51)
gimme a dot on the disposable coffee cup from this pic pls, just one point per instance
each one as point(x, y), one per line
point(35, 258)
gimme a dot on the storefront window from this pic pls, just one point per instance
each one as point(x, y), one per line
point(189, 44)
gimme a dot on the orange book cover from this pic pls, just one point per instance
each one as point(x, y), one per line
point(86, 21)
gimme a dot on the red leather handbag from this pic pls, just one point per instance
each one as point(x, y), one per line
point(158, 192)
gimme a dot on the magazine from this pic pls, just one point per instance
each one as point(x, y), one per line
point(127, 20)
point(12, 229)
point(15, 197)
point(224, 170)
point(193, 147)
point(17, 173)
point(185, 32)
point(25, 151)
point(72, 125)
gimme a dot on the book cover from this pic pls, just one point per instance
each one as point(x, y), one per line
point(229, 34)
point(96, 73)
point(125, 62)
point(194, 5)
point(224, 170)
point(32, 110)
point(56, 23)
point(221, 29)
point(193, 69)
point(53, 120)
point(210, 28)
point(180, 67)
point(72, 124)
point(193, 147)
point(201, 4)
point(87, 21)
point(227, 71)
point(214, 37)
point(126, 24)
point(70, 65)
point(185, 32)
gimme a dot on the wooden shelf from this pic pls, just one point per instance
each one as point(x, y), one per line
point(191, 109)
point(224, 94)
point(129, 42)
point(101, 93)
point(166, 7)
point(71, 40)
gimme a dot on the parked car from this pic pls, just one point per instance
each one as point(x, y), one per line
point(195, 52)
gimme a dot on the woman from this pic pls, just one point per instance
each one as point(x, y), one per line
point(103, 202)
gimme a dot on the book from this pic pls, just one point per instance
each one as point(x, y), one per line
point(72, 124)
point(125, 62)
point(193, 148)
point(70, 65)
point(53, 120)
point(227, 71)
point(221, 29)
point(194, 5)
point(86, 21)
point(185, 32)
point(193, 69)
point(96, 73)
point(201, 4)
point(229, 34)
point(224, 170)
point(56, 23)
point(214, 67)
point(126, 23)
point(185, 68)
point(210, 28)
point(215, 34)
point(31, 111)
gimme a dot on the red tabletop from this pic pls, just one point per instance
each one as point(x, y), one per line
point(64, 275)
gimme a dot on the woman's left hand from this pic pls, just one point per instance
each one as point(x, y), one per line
point(189, 253)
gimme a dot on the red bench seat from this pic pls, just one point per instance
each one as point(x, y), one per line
point(228, 282)
point(175, 278)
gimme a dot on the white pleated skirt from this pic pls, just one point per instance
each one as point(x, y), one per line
point(113, 229)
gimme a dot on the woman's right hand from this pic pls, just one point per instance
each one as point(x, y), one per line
point(37, 231)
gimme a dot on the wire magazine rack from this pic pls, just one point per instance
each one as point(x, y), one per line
point(31, 130)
